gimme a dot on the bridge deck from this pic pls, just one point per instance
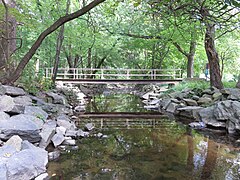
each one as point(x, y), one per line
point(120, 81)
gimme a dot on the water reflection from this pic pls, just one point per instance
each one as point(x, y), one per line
point(147, 154)
point(144, 149)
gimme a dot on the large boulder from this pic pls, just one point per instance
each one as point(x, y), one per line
point(57, 99)
point(47, 133)
point(64, 121)
point(27, 164)
point(189, 111)
point(26, 126)
point(6, 103)
point(14, 91)
point(22, 100)
point(4, 116)
point(36, 111)
point(207, 116)
point(16, 142)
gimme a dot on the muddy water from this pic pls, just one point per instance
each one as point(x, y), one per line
point(144, 149)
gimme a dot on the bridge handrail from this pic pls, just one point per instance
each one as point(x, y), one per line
point(83, 73)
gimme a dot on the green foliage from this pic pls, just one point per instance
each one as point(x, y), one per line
point(197, 85)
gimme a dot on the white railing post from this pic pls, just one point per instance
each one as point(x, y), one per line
point(102, 74)
point(128, 77)
point(46, 72)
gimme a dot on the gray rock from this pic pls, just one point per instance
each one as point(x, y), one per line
point(79, 109)
point(61, 130)
point(54, 155)
point(14, 91)
point(207, 96)
point(204, 100)
point(27, 164)
point(3, 171)
point(175, 101)
point(71, 133)
point(2, 90)
point(6, 103)
point(23, 125)
point(189, 111)
point(172, 107)
point(47, 133)
point(57, 139)
point(6, 152)
point(4, 116)
point(43, 176)
point(27, 145)
point(191, 102)
point(64, 121)
point(16, 142)
point(57, 99)
point(81, 133)
point(36, 111)
point(163, 104)
point(89, 126)
point(70, 142)
point(17, 109)
point(50, 108)
point(207, 116)
point(196, 98)
point(197, 125)
point(23, 100)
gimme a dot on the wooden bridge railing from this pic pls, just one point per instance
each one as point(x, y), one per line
point(135, 74)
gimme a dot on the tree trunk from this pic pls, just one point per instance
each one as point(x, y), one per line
point(58, 47)
point(213, 59)
point(62, 20)
point(238, 83)
point(7, 37)
point(190, 58)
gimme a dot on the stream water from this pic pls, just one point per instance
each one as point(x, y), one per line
point(143, 149)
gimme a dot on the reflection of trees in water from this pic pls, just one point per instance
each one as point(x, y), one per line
point(211, 159)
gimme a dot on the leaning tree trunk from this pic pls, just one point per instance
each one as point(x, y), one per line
point(24, 61)
point(213, 59)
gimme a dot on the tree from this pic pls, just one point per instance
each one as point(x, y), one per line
point(62, 20)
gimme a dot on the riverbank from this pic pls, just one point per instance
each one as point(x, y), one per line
point(36, 128)
point(209, 108)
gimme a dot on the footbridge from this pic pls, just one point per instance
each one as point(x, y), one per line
point(115, 76)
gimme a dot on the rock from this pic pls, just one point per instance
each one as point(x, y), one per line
point(23, 100)
point(70, 142)
point(17, 109)
point(79, 109)
point(71, 133)
point(27, 164)
point(234, 94)
point(191, 102)
point(3, 171)
point(47, 133)
point(15, 141)
point(150, 95)
point(54, 155)
point(204, 100)
point(50, 108)
point(196, 98)
point(6, 103)
point(57, 99)
point(64, 121)
point(27, 145)
point(89, 126)
point(189, 111)
point(172, 107)
point(43, 176)
point(217, 96)
point(4, 116)
point(27, 127)
point(81, 133)
point(208, 91)
point(154, 102)
point(61, 130)
point(207, 116)
point(207, 96)
point(175, 101)
point(163, 104)
point(14, 91)
point(197, 125)
point(57, 139)
point(2, 90)
point(99, 135)
point(6, 152)
point(37, 112)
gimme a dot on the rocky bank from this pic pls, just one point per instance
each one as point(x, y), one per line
point(211, 107)
point(30, 125)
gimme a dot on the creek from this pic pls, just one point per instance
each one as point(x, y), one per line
point(143, 148)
